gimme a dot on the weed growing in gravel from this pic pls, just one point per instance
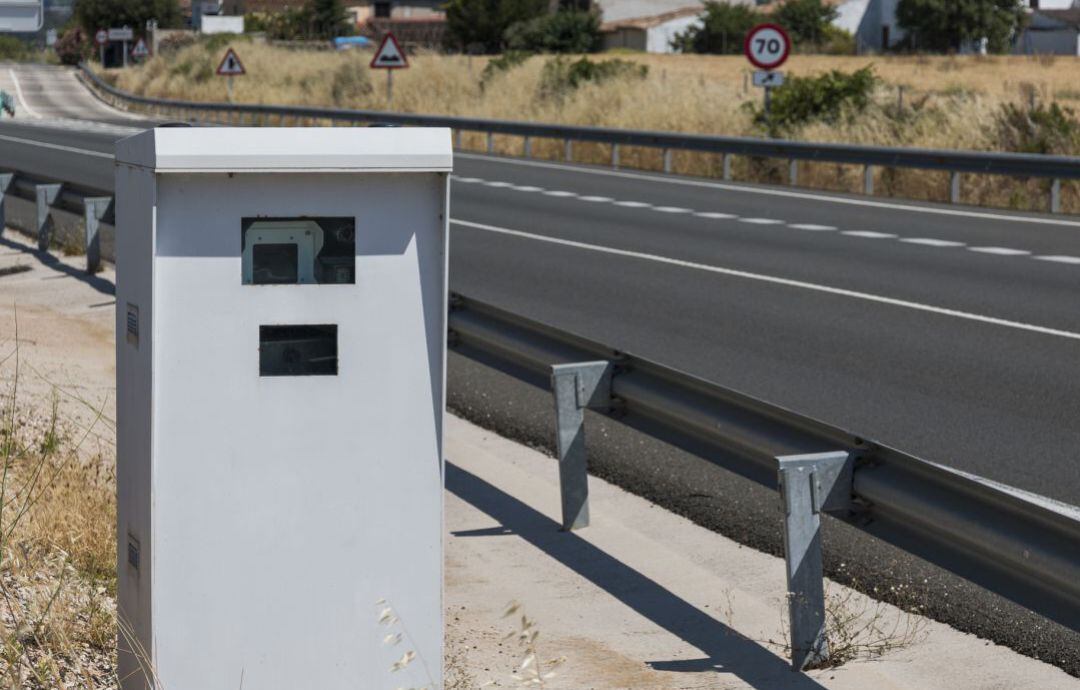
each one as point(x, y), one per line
point(530, 671)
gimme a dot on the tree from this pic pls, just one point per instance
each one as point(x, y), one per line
point(484, 22)
point(943, 25)
point(328, 18)
point(722, 30)
point(566, 31)
point(92, 15)
point(808, 21)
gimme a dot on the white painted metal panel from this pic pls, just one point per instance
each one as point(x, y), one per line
point(21, 16)
point(284, 507)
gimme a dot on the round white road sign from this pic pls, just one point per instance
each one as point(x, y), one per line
point(101, 37)
point(767, 46)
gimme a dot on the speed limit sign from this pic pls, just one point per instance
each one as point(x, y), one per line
point(767, 46)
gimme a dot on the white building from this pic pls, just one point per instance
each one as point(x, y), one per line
point(1051, 32)
point(649, 34)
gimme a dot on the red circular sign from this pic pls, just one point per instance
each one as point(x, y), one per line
point(767, 46)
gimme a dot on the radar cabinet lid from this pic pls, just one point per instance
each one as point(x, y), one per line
point(289, 149)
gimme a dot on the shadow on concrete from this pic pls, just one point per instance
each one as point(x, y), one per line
point(105, 287)
point(727, 651)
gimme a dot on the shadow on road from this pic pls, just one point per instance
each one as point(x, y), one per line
point(727, 651)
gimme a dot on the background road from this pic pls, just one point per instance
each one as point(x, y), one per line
point(952, 333)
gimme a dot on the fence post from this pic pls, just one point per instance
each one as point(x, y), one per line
point(868, 180)
point(793, 172)
point(615, 156)
point(667, 161)
point(45, 195)
point(809, 485)
point(575, 387)
point(1055, 195)
point(95, 208)
point(954, 187)
point(490, 143)
point(527, 146)
point(726, 162)
point(568, 151)
point(6, 179)
point(457, 139)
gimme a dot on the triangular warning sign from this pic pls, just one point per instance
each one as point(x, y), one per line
point(230, 65)
point(140, 49)
point(389, 55)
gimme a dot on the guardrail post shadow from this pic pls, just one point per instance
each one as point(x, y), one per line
point(6, 179)
point(45, 195)
point(809, 485)
point(868, 180)
point(1055, 195)
point(667, 161)
point(793, 172)
point(954, 187)
point(95, 209)
point(575, 387)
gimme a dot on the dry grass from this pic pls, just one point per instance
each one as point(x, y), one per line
point(57, 549)
point(948, 102)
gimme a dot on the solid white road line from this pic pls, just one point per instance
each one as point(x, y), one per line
point(19, 93)
point(931, 242)
point(1000, 251)
point(775, 280)
point(851, 201)
point(869, 234)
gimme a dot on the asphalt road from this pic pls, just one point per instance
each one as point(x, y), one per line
point(951, 333)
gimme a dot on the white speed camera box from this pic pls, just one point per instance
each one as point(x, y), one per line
point(281, 321)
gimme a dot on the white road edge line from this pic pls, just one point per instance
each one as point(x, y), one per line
point(771, 192)
point(56, 147)
point(19, 93)
point(776, 280)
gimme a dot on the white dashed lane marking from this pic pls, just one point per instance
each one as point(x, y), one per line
point(931, 242)
point(671, 209)
point(761, 221)
point(1059, 259)
point(1000, 251)
point(813, 227)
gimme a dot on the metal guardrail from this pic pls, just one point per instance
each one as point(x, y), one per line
point(956, 162)
point(1024, 547)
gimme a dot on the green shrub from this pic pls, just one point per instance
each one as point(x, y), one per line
point(1042, 129)
point(807, 21)
point(481, 24)
point(566, 31)
point(561, 75)
point(504, 63)
point(722, 30)
point(12, 48)
point(823, 97)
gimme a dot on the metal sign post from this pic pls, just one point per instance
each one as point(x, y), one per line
point(101, 38)
point(389, 57)
point(767, 46)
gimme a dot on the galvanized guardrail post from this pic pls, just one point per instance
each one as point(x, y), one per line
point(615, 156)
point(868, 180)
point(809, 485)
point(527, 147)
point(1055, 195)
point(725, 161)
point(6, 179)
point(575, 387)
point(568, 150)
point(490, 142)
point(45, 195)
point(95, 208)
point(954, 187)
point(667, 161)
point(793, 172)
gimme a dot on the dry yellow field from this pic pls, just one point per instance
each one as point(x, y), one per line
point(948, 102)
